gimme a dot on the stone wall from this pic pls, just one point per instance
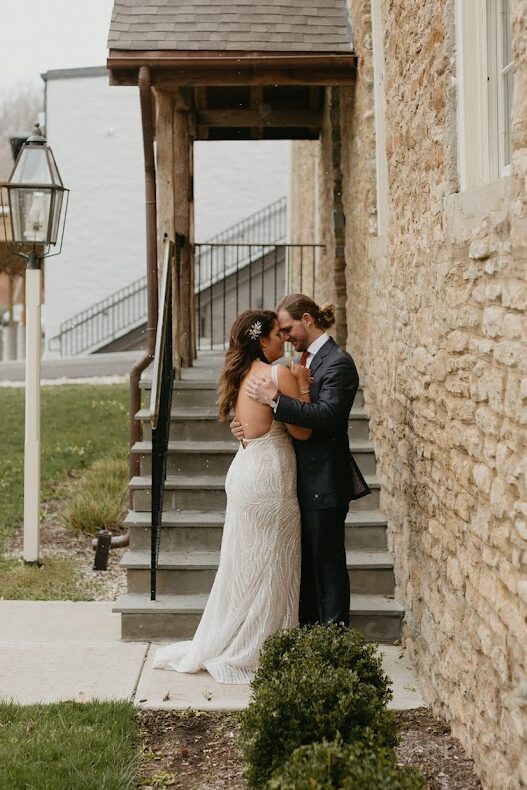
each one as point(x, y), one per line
point(436, 315)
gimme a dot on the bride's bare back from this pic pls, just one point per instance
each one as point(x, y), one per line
point(255, 418)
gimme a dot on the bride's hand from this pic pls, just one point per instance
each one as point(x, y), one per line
point(302, 375)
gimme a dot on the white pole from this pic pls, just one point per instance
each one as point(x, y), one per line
point(32, 435)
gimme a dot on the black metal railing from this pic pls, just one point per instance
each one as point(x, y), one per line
point(161, 402)
point(233, 277)
point(124, 310)
point(103, 322)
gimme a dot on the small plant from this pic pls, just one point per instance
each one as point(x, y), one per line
point(99, 498)
point(329, 645)
point(308, 702)
point(325, 766)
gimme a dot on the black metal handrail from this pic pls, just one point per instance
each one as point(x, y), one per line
point(232, 277)
point(161, 402)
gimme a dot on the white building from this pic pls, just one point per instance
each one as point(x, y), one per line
point(95, 133)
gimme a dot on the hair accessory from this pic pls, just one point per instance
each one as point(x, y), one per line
point(255, 330)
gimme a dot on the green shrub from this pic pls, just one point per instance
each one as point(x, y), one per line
point(309, 702)
point(325, 766)
point(330, 645)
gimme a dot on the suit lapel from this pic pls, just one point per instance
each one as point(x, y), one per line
point(319, 357)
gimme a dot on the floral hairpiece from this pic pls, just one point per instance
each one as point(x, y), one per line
point(255, 330)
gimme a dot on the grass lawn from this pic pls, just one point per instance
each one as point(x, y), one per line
point(80, 424)
point(69, 746)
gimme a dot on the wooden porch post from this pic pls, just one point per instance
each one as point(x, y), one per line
point(175, 209)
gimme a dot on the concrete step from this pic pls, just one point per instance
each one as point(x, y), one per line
point(199, 458)
point(208, 492)
point(378, 617)
point(188, 573)
point(197, 530)
point(200, 389)
point(201, 424)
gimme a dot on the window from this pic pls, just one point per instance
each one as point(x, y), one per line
point(380, 121)
point(505, 83)
point(485, 85)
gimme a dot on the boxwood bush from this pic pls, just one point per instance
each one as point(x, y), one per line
point(309, 701)
point(332, 646)
point(325, 766)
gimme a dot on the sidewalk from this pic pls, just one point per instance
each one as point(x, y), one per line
point(59, 650)
point(92, 365)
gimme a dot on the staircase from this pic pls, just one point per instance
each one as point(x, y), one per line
point(200, 451)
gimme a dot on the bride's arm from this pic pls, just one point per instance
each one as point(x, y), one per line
point(288, 385)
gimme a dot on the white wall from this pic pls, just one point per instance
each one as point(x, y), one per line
point(95, 132)
point(233, 179)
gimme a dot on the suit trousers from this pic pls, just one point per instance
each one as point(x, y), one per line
point(324, 584)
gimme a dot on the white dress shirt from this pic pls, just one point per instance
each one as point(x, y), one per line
point(315, 347)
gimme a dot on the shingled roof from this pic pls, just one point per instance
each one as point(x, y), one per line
point(310, 26)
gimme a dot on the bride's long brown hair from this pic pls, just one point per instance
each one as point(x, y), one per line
point(244, 347)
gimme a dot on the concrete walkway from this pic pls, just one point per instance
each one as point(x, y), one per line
point(60, 650)
point(82, 367)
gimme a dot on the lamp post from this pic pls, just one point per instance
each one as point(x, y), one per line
point(35, 194)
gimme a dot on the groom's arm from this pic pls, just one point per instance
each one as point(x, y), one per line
point(335, 400)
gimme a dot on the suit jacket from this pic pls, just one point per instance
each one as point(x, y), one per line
point(327, 474)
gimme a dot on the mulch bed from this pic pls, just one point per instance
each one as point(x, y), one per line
point(199, 751)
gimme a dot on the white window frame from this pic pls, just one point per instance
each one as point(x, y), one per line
point(482, 113)
point(379, 99)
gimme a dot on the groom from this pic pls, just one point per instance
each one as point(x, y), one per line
point(327, 475)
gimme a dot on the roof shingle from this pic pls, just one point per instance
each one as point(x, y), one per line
point(316, 26)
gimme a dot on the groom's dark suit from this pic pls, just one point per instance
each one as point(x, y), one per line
point(327, 478)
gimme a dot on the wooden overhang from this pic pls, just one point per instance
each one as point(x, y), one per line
point(243, 95)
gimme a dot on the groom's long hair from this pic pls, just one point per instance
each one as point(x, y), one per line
point(298, 304)
point(244, 347)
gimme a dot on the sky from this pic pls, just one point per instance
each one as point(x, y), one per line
point(38, 35)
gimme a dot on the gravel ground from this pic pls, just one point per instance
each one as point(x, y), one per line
point(57, 540)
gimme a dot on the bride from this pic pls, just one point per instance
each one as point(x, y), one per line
point(255, 592)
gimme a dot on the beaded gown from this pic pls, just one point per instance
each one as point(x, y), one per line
point(255, 592)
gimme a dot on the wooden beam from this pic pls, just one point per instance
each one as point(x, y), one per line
point(200, 103)
point(182, 214)
point(174, 202)
point(171, 79)
point(256, 103)
point(174, 68)
point(262, 117)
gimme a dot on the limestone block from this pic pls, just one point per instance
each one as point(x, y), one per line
point(515, 325)
point(522, 590)
point(515, 294)
point(481, 346)
point(454, 574)
point(466, 316)
point(493, 291)
point(511, 353)
point(457, 341)
point(482, 477)
point(487, 421)
point(493, 321)
point(501, 498)
point(479, 249)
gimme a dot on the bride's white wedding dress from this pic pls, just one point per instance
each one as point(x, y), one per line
point(255, 592)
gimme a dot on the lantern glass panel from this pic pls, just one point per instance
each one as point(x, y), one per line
point(58, 196)
point(30, 215)
point(33, 167)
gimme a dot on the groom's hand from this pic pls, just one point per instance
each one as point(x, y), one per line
point(261, 389)
point(237, 430)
